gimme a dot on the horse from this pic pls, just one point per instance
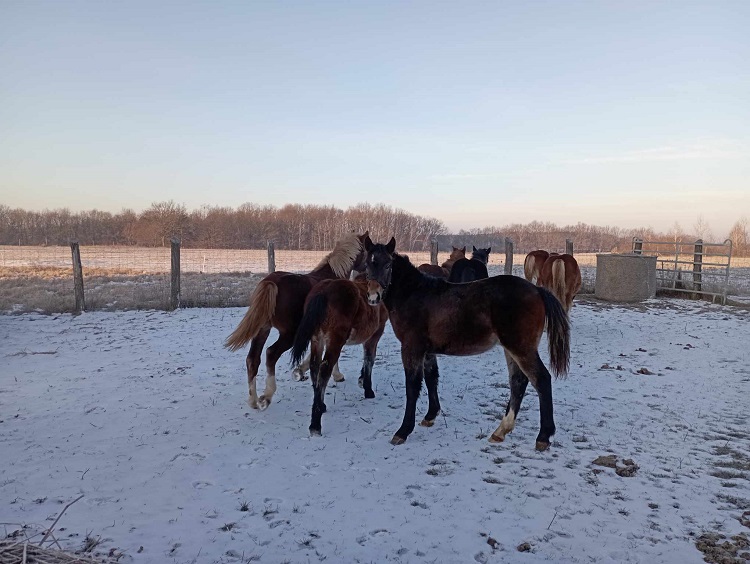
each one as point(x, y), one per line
point(278, 301)
point(475, 268)
point(431, 316)
point(444, 270)
point(337, 313)
point(533, 263)
point(561, 275)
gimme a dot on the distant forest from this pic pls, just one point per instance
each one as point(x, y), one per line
point(312, 227)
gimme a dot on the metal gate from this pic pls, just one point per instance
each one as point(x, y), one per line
point(700, 269)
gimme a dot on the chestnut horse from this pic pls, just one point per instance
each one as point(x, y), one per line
point(432, 316)
point(533, 263)
point(278, 301)
point(561, 275)
point(444, 270)
point(337, 314)
point(475, 268)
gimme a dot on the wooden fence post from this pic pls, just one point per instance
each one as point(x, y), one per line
point(271, 258)
point(508, 256)
point(174, 298)
point(698, 267)
point(433, 251)
point(569, 246)
point(78, 277)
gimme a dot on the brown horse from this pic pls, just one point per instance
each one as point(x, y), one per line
point(279, 301)
point(444, 270)
point(533, 263)
point(561, 275)
point(337, 314)
point(432, 316)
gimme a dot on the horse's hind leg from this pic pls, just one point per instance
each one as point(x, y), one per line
point(337, 375)
point(252, 362)
point(540, 378)
point(320, 382)
point(518, 382)
point(273, 353)
point(298, 373)
point(431, 376)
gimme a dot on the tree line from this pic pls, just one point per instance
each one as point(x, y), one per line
point(311, 227)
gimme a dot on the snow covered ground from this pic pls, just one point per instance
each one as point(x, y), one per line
point(144, 413)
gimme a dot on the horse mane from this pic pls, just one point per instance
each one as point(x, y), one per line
point(342, 257)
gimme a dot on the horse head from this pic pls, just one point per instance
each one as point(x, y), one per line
point(379, 269)
point(482, 255)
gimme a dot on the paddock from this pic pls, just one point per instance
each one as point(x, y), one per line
point(144, 414)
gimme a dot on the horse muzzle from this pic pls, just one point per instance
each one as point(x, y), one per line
point(374, 293)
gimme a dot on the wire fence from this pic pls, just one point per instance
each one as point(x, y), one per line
point(123, 278)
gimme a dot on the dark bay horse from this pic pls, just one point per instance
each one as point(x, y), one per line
point(533, 263)
point(475, 268)
point(278, 301)
point(431, 316)
point(444, 270)
point(337, 313)
point(561, 275)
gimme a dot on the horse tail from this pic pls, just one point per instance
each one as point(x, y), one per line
point(259, 315)
point(528, 267)
point(558, 280)
point(315, 314)
point(558, 333)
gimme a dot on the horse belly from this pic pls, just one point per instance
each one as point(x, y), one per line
point(468, 347)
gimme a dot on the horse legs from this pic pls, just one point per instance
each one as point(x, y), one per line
point(414, 372)
point(431, 376)
point(371, 348)
point(534, 369)
point(282, 344)
point(518, 383)
point(252, 362)
point(320, 381)
point(299, 371)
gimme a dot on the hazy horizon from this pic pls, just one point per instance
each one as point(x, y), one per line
point(477, 114)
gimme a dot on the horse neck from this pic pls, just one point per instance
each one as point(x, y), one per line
point(404, 279)
point(323, 272)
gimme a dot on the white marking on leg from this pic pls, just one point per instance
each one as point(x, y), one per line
point(299, 371)
point(265, 400)
point(506, 425)
point(337, 375)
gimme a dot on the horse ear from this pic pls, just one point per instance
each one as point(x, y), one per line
point(464, 249)
point(473, 249)
point(391, 246)
point(489, 249)
point(368, 243)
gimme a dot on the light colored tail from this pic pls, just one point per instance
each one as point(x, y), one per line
point(558, 282)
point(259, 315)
point(528, 267)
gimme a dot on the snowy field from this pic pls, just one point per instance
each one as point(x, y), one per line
point(144, 414)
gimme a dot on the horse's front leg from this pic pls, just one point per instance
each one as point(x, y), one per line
point(431, 376)
point(413, 370)
point(371, 349)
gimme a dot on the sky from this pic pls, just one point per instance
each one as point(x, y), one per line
point(477, 113)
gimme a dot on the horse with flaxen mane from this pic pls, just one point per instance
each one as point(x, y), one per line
point(533, 263)
point(444, 270)
point(432, 316)
point(336, 314)
point(475, 268)
point(561, 275)
point(278, 301)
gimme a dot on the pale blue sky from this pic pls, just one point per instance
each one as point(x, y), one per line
point(477, 113)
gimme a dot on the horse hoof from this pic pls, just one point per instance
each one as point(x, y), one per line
point(396, 440)
point(315, 433)
point(427, 423)
point(252, 403)
point(542, 446)
point(361, 382)
point(263, 403)
point(369, 394)
point(339, 378)
point(496, 438)
point(298, 375)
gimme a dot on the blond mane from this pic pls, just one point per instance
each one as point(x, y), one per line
point(342, 257)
